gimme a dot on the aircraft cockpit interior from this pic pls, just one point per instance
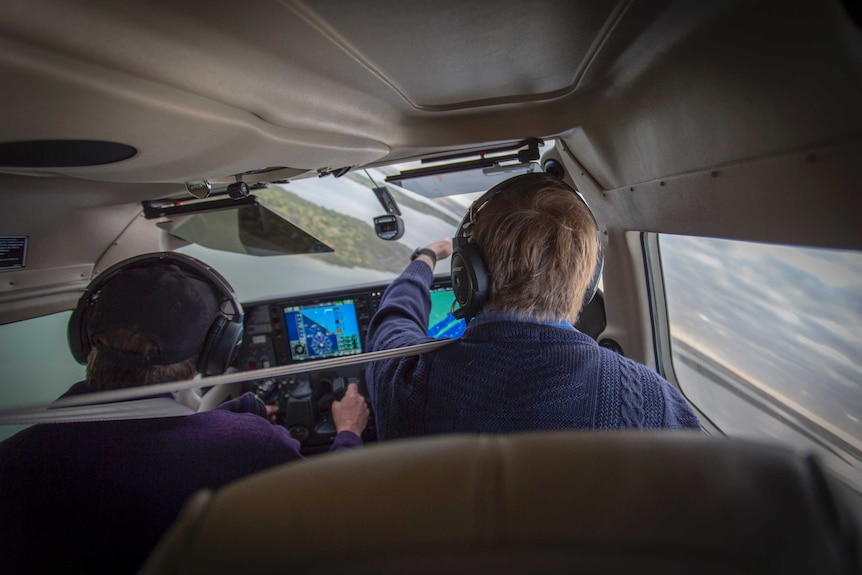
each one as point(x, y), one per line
point(289, 162)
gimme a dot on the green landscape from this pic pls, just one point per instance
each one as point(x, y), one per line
point(354, 240)
point(403, 199)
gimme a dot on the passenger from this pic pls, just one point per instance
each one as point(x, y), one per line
point(90, 497)
point(520, 364)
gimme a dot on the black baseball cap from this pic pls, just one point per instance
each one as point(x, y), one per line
point(161, 302)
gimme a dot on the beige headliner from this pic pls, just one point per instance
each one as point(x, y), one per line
point(724, 118)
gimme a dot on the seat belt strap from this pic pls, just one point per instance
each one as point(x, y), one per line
point(83, 407)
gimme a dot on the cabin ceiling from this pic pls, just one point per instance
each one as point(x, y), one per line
point(639, 90)
point(203, 89)
point(649, 97)
point(208, 89)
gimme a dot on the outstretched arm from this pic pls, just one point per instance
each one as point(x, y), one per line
point(402, 318)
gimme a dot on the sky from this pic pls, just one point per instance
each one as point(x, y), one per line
point(788, 318)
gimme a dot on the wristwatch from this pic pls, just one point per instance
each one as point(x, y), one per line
point(424, 251)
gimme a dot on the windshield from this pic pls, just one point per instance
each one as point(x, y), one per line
point(339, 212)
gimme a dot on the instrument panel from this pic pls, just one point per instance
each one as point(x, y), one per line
point(305, 328)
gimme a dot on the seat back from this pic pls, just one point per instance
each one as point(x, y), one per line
point(554, 502)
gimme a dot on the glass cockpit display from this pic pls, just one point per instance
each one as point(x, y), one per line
point(321, 330)
point(441, 322)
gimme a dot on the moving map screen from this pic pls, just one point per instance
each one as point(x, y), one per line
point(322, 330)
point(441, 322)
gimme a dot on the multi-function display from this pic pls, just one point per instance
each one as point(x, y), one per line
point(321, 330)
point(441, 322)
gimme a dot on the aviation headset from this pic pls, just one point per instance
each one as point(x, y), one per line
point(225, 330)
point(470, 280)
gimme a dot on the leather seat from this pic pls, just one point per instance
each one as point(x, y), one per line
point(553, 502)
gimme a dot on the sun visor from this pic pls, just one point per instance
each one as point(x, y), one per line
point(250, 228)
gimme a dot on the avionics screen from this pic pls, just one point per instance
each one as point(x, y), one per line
point(320, 330)
point(441, 322)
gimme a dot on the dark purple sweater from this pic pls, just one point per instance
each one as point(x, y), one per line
point(505, 376)
point(96, 496)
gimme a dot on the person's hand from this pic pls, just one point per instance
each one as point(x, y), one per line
point(351, 413)
point(272, 412)
point(441, 248)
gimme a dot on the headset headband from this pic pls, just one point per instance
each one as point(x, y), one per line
point(222, 325)
point(470, 280)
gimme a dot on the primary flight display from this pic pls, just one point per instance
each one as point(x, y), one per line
point(322, 330)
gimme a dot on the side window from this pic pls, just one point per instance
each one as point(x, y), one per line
point(35, 373)
point(766, 340)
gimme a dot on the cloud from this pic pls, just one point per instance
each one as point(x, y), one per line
point(789, 317)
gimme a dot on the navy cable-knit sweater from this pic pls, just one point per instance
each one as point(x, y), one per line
point(505, 376)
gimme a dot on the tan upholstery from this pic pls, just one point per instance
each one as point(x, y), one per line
point(530, 503)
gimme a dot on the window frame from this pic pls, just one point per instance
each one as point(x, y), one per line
point(757, 398)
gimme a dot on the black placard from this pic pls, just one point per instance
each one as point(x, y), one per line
point(13, 252)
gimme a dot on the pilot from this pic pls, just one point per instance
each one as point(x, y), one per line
point(96, 496)
point(526, 257)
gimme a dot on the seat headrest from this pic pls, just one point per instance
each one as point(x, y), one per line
point(527, 503)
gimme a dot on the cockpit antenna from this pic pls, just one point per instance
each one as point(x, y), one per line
point(384, 197)
point(370, 178)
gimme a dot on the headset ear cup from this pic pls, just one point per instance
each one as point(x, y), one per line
point(79, 341)
point(231, 341)
point(208, 353)
point(469, 280)
point(221, 345)
point(225, 348)
point(597, 276)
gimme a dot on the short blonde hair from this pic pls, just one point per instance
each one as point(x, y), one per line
point(540, 244)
